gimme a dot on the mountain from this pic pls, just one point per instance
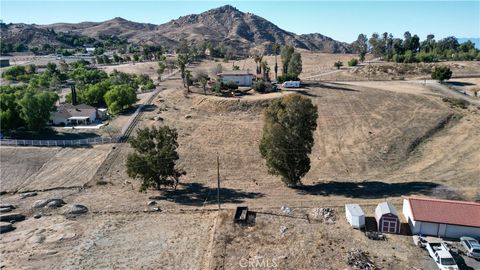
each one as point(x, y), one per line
point(226, 24)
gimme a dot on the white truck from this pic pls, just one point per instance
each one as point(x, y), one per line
point(442, 257)
point(291, 84)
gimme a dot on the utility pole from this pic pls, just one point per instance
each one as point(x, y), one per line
point(218, 181)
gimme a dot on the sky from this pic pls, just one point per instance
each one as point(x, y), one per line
point(341, 20)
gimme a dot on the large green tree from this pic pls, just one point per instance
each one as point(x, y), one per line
point(295, 65)
point(286, 54)
point(154, 157)
point(288, 137)
point(35, 108)
point(120, 97)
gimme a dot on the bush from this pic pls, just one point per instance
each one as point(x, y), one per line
point(398, 58)
point(353, 62)
point(260, 86)
point(230, 85)
point(441, 73)
point(338, 64)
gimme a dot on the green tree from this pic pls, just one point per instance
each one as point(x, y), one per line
point(441, 73)
point(288, 137)
point(35, 108)
point(154, 157)
point(182, 61)
point(295, 65)
point(286, 54)
point(202, 78)
point(352, 62)
point(276, 51)
point(120, 97)
point(338, 64)
point(162, 65)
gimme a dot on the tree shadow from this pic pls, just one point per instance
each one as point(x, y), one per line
point(196, 194)
point(368, 189)
point(454, 83)
point(149, 108)
point(330, 85)
point(303, 92)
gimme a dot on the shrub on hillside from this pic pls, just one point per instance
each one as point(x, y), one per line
point(353, 62)
point(260, 86)
point(441, 73)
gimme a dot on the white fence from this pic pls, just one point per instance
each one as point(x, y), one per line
point(80, 142)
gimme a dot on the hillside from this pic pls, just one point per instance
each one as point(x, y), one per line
point(226, 24)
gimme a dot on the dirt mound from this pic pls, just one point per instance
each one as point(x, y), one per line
point(226, 104)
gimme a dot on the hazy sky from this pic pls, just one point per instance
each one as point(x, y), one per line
point(341, 20)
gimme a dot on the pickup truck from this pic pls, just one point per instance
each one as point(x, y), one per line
point(439, 252)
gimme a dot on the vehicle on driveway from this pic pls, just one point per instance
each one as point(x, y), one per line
point(441, 255)
point(472, 247)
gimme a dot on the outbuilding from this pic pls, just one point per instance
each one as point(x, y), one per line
point(240, 77)
point(442, 218)
point(355, 215)
point(387, 218)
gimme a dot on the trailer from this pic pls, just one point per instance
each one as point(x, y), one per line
point(355, 215)
point(291, 84)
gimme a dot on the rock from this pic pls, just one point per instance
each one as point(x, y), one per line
point(150, 203)
point(75, 209)
point(6, 205)
point(37, 216)
point(55, 204)
point(12, 216)
point(27, 194)
point(158, 197)
point(5, 209)
point(6, 227)
point(188, 116)
point(49, 203)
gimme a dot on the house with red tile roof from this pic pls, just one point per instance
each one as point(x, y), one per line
point(442, 218)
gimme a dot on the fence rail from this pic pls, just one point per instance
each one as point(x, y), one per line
point(80, 142)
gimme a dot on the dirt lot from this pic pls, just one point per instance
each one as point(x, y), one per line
point(375, 141)
point(35, 168)
point(300, 240)
point(109, 241)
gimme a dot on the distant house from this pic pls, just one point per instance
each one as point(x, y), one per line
point(241, 77)
point(442, 218)
point(387, 218)
point(68, 114)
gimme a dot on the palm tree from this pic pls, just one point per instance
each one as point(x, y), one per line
point(258, 61)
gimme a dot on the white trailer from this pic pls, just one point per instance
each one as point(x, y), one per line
point(355, 215)
point(291, 84)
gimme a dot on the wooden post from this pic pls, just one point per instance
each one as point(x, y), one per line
point(218, 181)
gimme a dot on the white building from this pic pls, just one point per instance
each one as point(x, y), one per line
point(241, 77)
point(442, 218)
point(355, 215)
point(68, 114)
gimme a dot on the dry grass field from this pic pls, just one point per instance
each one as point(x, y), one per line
point(375, 141)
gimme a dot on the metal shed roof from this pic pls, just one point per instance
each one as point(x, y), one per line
point(355, 209)
point(385, 208)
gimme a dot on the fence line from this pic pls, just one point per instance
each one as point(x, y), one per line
point(79, 142)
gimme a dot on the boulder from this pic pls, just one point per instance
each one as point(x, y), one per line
point(75, 209)
point(27, 194)
point(6, 227)
point(150, 203)
point(7, 205)
point(48, 203)
point(12, 217)
point(5, 209)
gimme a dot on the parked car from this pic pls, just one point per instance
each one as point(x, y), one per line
point(472, 247)
point(291, 84)
point(440, 253)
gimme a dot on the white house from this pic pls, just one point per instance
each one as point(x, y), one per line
point(442, 218)
point(68, 114)
point(241, 77)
